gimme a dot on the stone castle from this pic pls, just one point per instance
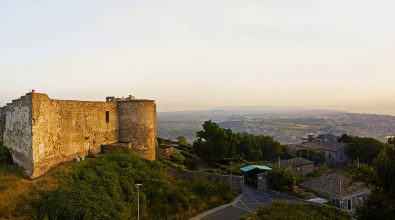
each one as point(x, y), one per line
point(41, 132)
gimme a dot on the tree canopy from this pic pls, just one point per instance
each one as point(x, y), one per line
point(380, 176)
point(317, 156)
point(281, 179)
point(215, 143)
point(362, 148)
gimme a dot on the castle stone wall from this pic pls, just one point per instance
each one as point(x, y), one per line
point(137, 125)
point(41, 132)
point(18, 131)
point(65, 129)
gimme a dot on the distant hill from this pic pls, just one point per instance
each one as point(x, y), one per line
point(286, 124)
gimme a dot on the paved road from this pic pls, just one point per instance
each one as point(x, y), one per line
point(250, 202)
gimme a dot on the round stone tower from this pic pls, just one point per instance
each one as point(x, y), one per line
point(137, 125)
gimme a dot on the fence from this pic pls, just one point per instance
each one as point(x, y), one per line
point(235, 183)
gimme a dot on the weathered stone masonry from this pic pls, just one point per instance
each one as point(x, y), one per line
point(41, 132)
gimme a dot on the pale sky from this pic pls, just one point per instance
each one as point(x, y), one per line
point(194, 54)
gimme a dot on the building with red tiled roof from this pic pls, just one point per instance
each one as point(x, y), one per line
point(341, 190)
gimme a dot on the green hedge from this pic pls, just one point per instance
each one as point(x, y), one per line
point(283, 210)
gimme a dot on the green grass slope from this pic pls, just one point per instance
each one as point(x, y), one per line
point(104, 188)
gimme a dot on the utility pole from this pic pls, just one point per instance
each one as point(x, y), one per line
point(138, 199)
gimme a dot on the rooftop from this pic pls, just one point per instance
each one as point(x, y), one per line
point(323, 145)
point(253, 167)
point(334, 184)
point(299, 161)
point(328, 137)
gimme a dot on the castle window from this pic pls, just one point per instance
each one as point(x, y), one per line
point(107, 116)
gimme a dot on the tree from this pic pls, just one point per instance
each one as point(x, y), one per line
point(182, 140)
point(183, 143)
point(317, 156)
point(281, 179)
point(177, 158)
point(362, 148)
point(215, 143)
point(380, 176)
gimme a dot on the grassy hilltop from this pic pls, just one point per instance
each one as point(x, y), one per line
point(103, 188)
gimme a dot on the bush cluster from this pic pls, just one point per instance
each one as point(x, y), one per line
point(177, 158)
point(5, 156)
point(281, 179)
point(214, 144)
point(105, 189)
point(283, 210)
point(317, 156)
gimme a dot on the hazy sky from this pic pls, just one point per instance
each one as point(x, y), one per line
point(191, 54)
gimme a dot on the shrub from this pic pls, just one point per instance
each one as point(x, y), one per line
point(105, 189)
point(5, 156)
point(281, 179)
point(283, 210)
point(296, 191)
point(177, 158)
point(191, 161)
point(317, 156)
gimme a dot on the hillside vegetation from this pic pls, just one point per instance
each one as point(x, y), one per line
point(104, 188)
point(215, 143)
point(283, 210)
point(379, 177)
point(364, 149)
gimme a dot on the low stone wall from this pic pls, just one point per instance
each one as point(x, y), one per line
point(236, 183)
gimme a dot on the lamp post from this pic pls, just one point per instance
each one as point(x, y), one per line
point(138, 199)
point(231, 177)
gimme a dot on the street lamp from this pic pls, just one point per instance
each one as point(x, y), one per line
point(138, 199)
point(231, 177)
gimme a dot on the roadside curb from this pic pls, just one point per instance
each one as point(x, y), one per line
point(211, 211)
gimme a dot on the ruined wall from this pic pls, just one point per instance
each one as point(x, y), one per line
point(137, 125)
point(2, 123)
point(64, 129)
point(18, 131)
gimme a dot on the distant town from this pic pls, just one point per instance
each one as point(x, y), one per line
point(288, 126)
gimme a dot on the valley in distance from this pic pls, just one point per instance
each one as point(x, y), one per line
point(288, 125)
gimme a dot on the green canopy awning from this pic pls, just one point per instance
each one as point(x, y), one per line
point(253, 167)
